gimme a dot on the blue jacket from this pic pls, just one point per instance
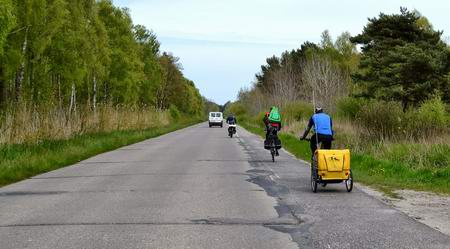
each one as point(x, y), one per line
point(322, 124)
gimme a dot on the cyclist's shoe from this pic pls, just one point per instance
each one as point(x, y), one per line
point(277, 154)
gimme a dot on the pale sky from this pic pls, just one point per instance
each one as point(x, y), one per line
point(222, 44)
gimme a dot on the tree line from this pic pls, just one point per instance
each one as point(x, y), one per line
point(66, 54)
point(398, 57)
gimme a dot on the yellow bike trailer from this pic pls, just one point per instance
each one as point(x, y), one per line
point(331, 166)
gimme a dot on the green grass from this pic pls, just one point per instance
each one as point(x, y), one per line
point(396, 171)
point(392, 174)
point(24, 161)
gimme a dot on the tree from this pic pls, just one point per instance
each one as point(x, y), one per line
point(7, 21)
point(287, 85)
point(345, 46)
point(149, 52)
point(25, 57)
point(210, 106)
point(422, 21)
point(126, 69)
point(401, 60)
point(71, 54)
point(288, 65)
point(262, 78)
point(326, 80)
point(326, 40)
point(147, 38)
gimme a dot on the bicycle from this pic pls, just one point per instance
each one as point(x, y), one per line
point(271, 143)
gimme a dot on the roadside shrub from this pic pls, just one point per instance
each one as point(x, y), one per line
point(433, 112)
point(297, 111)
point(237, 109)
point(386, 120)
point(349, 107)
point(174, 113)
point(381, 119)
point(257, 120)
point(447, 110)
point(430, 119)
point(31, 125)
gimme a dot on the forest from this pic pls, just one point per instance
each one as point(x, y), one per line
point(387, 90)
point(71, 67)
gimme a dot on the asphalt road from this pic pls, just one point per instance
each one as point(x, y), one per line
point(197, 188)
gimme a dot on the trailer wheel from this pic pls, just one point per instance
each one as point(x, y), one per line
point(349, 182)
point(313, 179)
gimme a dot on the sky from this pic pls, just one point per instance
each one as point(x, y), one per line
point(222, 44)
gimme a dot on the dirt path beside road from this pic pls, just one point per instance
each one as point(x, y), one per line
point(428, 208)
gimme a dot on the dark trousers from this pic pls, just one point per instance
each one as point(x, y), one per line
point(271, 132)
point(325, 140)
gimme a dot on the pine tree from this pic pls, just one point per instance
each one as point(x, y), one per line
point(401, 60)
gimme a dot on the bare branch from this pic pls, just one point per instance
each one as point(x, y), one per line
point(325, 79)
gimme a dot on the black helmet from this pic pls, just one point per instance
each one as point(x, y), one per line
point(319, 109)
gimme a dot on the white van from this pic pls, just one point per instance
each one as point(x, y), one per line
point(215, 118)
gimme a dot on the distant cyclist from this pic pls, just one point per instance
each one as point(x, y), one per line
point(272, 121)
point(231, 119)
point(323, 128)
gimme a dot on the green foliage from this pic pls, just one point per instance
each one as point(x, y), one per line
point(297, 111)
point(349, 57)
point(433, 112)
point(387, 120)
point(80, 53)
point(237, 109)
point(126, 70)
point(210, 106)
point(401, 60)
point(349, 107)
point(175, 89)
point(326, 40)
point(430, 119)
point(7, 21)
point(381, 120)
point(174, 113)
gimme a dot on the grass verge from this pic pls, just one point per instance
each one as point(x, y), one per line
point(385, 175)
point(22, 161)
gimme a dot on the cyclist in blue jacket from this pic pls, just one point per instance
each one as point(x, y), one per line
point(323, 128)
